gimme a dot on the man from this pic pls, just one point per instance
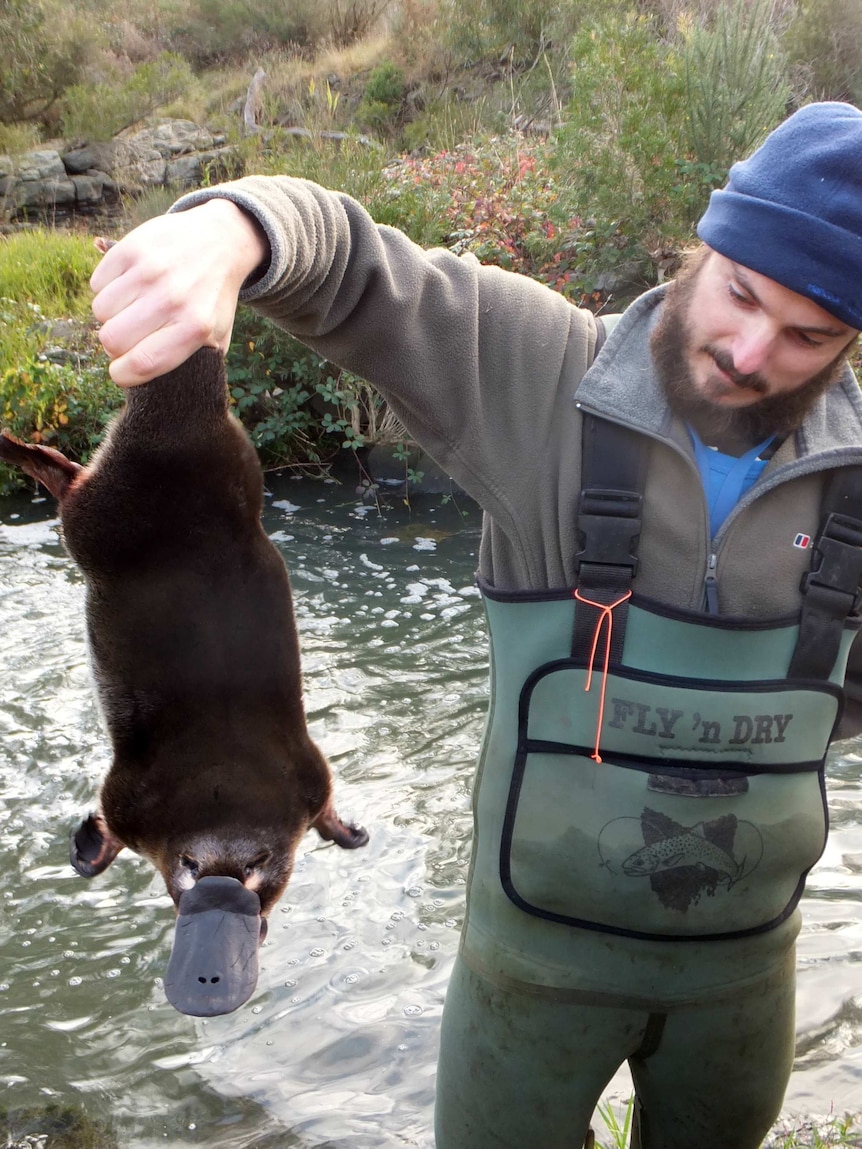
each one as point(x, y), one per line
point(649, 796)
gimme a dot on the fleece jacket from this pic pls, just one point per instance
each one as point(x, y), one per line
point(491, 371)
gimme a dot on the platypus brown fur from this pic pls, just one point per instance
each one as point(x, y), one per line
point(195, 653)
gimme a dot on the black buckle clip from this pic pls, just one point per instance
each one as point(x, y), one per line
point(836, 573)
point(609, 523)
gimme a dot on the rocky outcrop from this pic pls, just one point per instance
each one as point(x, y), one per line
point(174, 153)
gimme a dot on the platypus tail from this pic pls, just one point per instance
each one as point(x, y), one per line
point(50, 467)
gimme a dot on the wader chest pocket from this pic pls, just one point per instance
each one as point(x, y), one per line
point(702, 818)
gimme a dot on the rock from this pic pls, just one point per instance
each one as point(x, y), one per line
point(64, 357)
point(137, 165)
point(173, 153)
point(81, 160)
point(90, 188)
point(42, 194)
point(188, 170)
point(61, 330)
point(174, 137)
point(44, 165)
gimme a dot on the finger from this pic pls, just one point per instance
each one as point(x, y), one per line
point(146, 247)
point(118, 295)
point(112, 264)
point(167, 278)
point(159, 353)
point(132, 310)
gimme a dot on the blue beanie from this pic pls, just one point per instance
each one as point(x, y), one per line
point(793, 210)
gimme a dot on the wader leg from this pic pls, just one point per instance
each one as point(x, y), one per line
point(637, 1126)
point(718, 1075)
point(517, 1068)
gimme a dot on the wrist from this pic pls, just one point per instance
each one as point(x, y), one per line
point(243, 236)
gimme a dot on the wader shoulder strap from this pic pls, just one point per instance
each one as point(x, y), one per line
point(604, 326)
point(613, 474)
point(831, 589)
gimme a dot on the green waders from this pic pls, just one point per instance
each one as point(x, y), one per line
point(519, 1069)
point(642, 837)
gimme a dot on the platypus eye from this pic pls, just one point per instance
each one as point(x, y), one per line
point(259, 861)
point(190, 864)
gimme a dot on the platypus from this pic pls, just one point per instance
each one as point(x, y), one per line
point(195, 655)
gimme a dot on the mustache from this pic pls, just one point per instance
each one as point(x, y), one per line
point(754, 382)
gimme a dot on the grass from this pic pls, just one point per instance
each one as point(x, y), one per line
point(831, 1133)
point(619, 1127)
point(49, 268)
point(44, 276)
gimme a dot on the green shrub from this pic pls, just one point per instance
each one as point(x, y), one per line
point(99, 111)
point(618, 152)
point(44, 275)
point(383, 99)
point(349, 20)
point(18, 138)
point(736, 89)
point(517, 31)
point(298, 408)
point(420, 29)
point(492, 196)
point(499, 199)
point(151, 202)
point(652, 126)
point(385, 84)
point(824, 42)
point(60, 406)
point(447, 120)
point(271, 380)
point(221, 31)
point(45, 48)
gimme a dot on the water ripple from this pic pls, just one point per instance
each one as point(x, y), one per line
point(338, 1044)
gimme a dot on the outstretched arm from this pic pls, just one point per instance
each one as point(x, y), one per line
point(480, 364)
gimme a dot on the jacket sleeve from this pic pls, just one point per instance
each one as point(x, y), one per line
point(469, 357)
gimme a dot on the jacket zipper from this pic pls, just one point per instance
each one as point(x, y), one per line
point(710, 581)
point(710, 586)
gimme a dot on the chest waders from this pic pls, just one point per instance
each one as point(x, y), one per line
point(648, 772)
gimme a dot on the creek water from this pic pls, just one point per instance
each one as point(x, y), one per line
point(337, 1046)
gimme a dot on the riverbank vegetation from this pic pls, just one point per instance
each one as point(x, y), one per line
point(576, 141)
point(829, 1133)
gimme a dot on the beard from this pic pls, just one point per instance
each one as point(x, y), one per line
point(726, 427)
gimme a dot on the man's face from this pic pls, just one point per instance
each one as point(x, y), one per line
point(751, 338)
point(738, 353)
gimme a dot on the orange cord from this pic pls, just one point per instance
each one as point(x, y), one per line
point(606, 613)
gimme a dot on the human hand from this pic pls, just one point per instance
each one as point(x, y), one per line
point(171, 286)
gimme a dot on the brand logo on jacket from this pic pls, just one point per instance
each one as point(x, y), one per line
point(803, 542)
point(663, 723)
